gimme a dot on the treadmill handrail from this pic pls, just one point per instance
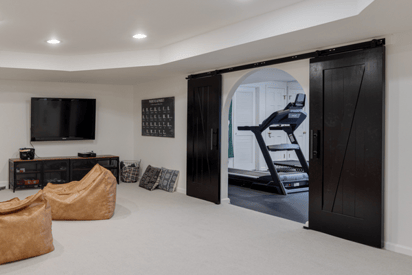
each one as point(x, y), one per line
point(277, 116)
point(246, 128)
point(275, 128)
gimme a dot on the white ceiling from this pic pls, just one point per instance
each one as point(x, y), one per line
point(321, 24)
point(104, 26)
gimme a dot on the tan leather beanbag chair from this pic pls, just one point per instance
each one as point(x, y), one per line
point(91, 198)
point(25, 228)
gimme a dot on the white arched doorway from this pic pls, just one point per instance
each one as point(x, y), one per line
point(296, 73)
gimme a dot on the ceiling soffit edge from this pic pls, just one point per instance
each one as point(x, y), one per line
point(310, 13)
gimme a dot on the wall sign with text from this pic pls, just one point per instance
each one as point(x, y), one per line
point(158, 117)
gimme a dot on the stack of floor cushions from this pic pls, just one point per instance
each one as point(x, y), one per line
point(25, 226)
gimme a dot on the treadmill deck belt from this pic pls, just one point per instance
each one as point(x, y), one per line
point(247, 173)
point(266, 175)
point(289, 163)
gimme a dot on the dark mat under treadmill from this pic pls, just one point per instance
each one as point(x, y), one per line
point(292, 207)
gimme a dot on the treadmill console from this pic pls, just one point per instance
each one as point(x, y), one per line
point(294, 115)
point(300, 100)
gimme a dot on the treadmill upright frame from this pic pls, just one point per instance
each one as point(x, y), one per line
point(277, 118)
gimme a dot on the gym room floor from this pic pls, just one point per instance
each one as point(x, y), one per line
point(293, 207)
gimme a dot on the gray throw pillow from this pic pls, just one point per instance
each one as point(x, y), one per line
point(146, 176)
point(149, 178)
point(157, 181)
point(168, 180)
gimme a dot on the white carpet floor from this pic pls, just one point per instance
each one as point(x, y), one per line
point(162, 233)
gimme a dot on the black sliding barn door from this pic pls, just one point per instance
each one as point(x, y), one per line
point(203, 138)
point(347, 145)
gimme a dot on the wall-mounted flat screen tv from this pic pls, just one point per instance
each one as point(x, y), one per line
point(62, 119)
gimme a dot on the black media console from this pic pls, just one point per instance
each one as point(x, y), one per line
point(36, 173)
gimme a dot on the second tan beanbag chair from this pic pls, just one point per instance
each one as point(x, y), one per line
point(25, 228)
point(91, 198)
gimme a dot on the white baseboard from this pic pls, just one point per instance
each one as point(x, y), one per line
point(181, 190)
point(398, 248)
point(225, 201)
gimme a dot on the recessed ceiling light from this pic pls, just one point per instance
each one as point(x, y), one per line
point(139, 36)
point(53, 41)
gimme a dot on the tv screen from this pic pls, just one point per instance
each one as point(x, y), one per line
point(62, 119)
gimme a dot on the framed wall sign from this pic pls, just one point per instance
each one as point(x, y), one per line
point(158, 117)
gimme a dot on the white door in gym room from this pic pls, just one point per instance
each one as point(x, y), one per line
point(275, 100)
point(244, 110)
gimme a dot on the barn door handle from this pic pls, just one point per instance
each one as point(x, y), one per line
point(314, 144)
point(211, 139)
point(214, 139)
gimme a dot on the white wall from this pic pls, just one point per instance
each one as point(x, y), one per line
point(398, 152)
point(114, 120)
point(158, 151)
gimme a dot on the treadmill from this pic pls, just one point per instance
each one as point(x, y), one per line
point(285, 176)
